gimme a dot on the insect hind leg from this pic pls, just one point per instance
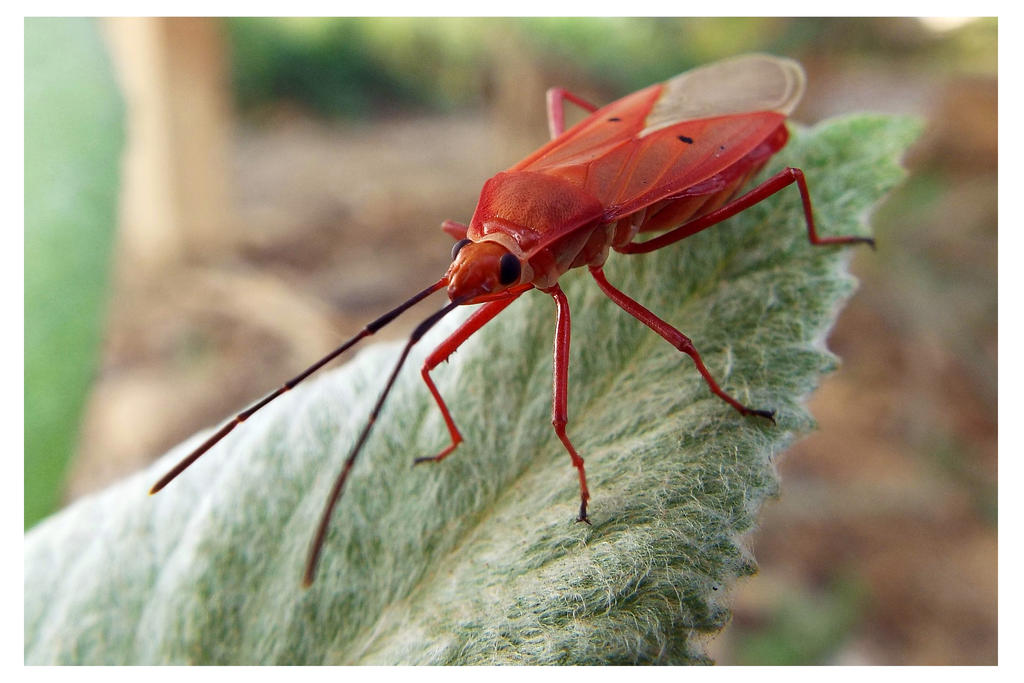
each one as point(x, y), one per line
point(676, 339)
point(777, 182)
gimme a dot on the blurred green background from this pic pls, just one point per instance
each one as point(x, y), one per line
point(73, 142)
point(280, 182)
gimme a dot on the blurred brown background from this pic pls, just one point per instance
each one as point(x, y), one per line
point(285, 180)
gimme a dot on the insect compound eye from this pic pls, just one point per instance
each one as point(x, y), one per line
point(457, 247)
point(508, 269)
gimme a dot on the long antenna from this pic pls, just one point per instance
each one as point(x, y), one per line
point(245, 414)
point(339, 483)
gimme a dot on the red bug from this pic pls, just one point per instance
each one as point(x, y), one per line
point(671, 158)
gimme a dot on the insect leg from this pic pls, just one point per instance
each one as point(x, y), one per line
point(456, 230)
point(780, 180)
point(560, 392)
point(556, 115)
point(675, 338)
point(479, 318)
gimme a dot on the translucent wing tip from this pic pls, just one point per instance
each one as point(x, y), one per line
point(782, 77)
point(738, 85)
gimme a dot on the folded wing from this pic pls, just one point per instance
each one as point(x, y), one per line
point(663, 140)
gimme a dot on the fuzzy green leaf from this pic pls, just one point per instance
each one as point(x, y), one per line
point(478, 560)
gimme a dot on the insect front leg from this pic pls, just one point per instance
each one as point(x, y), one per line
point(780, 180)
point(455, 229)
point(556, 114)
point(479, 318)
point(560, 393)
point(675, 338)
